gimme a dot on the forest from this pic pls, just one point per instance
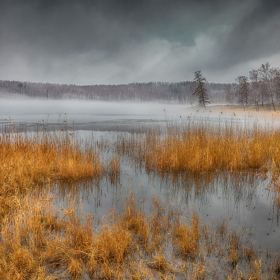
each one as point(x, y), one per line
point(261, 88)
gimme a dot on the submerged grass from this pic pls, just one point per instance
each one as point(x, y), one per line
point(205, 147)
point(41, 242)
point(29, 161)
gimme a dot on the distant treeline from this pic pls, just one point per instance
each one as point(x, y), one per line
point(180, 92)
point(261, 88)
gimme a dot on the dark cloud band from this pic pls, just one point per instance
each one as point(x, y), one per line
point(48, 36)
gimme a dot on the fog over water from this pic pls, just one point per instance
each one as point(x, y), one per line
point(243, 206)
point(90, 115)
point(83, 110)
point(101, 115)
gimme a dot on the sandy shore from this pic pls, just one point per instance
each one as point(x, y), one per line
point(238, 111)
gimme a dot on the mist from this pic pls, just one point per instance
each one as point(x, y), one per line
point(84, 112)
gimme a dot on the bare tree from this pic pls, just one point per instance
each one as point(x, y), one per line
point(255, 88)
point(200, 90)
point(275, 83)
point(266, 78)
point(229, 92)
point(243, 90)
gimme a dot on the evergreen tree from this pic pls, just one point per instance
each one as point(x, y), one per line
point(200, 90)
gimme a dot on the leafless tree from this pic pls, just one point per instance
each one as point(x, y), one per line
point(229, 92)
point(255, 88)
point(266, 79)
point(243, 90)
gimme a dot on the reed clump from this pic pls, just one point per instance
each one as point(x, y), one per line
point(186, 238)
point(42, 242)
point(43, 157)
point(205, 146)
point(30, 161)
point(208, 147)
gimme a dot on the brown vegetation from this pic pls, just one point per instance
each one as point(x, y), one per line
point(41, 242)
point(29, 162)
point(206, 147)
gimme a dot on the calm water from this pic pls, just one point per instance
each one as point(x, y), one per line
point(244, 201)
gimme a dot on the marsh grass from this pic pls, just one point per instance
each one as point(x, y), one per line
point(40, 241)
point(213, 148)
point(43, 242)
point(205, 147)
point(30, 161)
point(197, 150)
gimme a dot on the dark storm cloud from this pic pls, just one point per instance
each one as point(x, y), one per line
point(256, 35)
point(99, 41)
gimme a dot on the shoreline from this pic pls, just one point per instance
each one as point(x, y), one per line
point(236, 110)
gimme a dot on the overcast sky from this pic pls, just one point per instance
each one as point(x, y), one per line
point(123, 41)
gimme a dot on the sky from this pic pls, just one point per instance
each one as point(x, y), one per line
point(125, 41)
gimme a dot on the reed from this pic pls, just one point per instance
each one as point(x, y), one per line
point(205, 146)
point(40, 241)
point(186, 239)
point(32, 161)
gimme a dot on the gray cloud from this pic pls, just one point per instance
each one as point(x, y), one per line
point(97, 41)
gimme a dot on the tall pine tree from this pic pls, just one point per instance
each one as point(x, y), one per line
point(200, 90)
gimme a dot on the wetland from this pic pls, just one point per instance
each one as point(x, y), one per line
point(100, 190)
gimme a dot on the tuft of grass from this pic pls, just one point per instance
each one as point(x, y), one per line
point(222, 229)
point(204, 146)
point(200, 272)
point(28, 162)
point(113, 170)
point(277, 267)
point(249, 253)
point(160, 263)
point(233, 246)
point(45, 157)
point(186, 238)
point(40, 242)
point(135, 221)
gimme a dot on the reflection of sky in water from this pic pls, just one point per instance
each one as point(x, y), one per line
point(241, 204)
point(244, 202)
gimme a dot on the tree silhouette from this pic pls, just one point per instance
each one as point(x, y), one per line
point(243, 90)
point(200, 90)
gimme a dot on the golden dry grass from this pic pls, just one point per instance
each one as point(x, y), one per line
point(41, 242)
point(204, 146)
point(44, 158)
point(29, 162)
point(186, 238)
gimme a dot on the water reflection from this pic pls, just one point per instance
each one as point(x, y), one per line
point(244, 200)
